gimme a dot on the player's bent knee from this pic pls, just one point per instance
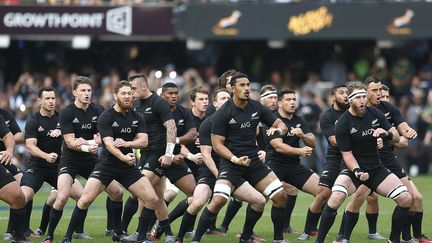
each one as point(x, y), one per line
point(222, 190)
point(417, 198)
point(18, 201)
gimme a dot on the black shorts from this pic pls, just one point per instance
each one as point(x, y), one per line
point(206, 177)
point(150, 161)
point(376, 176)
point(294, 174)
point(6, 176)
point(177, 171)
point(35, 176)
point(124, 175)
point(13, 169)
point(236, 174)
point(77, 167)
point(391, 163)
point(194, 168)
point(329, 174)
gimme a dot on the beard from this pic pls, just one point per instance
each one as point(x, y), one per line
point(342, 105)
point(123, 105)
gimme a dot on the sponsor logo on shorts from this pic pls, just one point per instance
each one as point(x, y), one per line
point(324, 173)
point(222, 174)
point(96, 173)
point(201, 180)
point(30, 171)
point(63, 169)
point(189, 170)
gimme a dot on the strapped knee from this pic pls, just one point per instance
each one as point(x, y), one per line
point(273, 188)
point(222, 190)
point(340, 188)
point(397, 192)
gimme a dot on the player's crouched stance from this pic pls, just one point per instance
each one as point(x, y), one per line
point(121, 130)
point(356, 132)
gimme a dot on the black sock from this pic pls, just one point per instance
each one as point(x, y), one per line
point(79, 228)
point(55, 217)
point(406, 229)
point(327, 219)
point(342, 225)
point(350, 222)
point(188, 221)
point(116, 213)
point(205, 220)
point(152, 221)
point(166, 227)
point(18, 216)
point(10, 225)
point(28, 208)
point(399, 219)
point(78, 216)
point(232, 209)
point(178, 211)
point(252, 218)
point(146, 215)
point(45, 217)
point(130, 208)
point(417, 220)
point(108, 202)
point(311, 221)
point(278, 216)
point(372, 219)
point(291, 200)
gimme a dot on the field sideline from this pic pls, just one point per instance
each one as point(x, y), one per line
point(96, 222)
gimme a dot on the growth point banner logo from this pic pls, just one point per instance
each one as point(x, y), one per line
point(119, 20)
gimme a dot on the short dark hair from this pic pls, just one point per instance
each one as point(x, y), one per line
point(354, 86)
point(235, 76)
point(216, 92)
point(133, 76)
point(223, 79)
point(81, 80)
point(120, 85)
point(385, 88)
point(336, 87)
point(198, 89)
point(267, 87)
point(45, 89)
point(168, 85)
point(371, 79)
point(284, 92)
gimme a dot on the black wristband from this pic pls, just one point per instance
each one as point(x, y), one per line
point(357, 170)
point(389, 136)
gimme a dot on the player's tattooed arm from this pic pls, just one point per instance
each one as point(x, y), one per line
point(171, 132)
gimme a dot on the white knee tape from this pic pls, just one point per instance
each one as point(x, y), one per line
point(170, 186)
point(222, 190)
point(340, 188)
point(273, 188)
point(397, 192)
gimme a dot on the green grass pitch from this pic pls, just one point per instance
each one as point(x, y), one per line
point(96, 219)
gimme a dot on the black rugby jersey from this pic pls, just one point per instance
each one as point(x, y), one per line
point(328, 120)
point(11, 124)
point(197, 124)
point(355, 134)
point(289, 139)
point(40, 127)
point(118, 125)
point(394, 117)
point(83, 123)
point(155, 111)
point(205, 137)
point(238, 126)
point(3, 131)
point(184, 122)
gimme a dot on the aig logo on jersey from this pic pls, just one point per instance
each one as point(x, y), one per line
point(86, 126)
point(126, 130)
point(245, 125)
point(367, 132)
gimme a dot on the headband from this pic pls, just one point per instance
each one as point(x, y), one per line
point(268, 94)
point(356, 94)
